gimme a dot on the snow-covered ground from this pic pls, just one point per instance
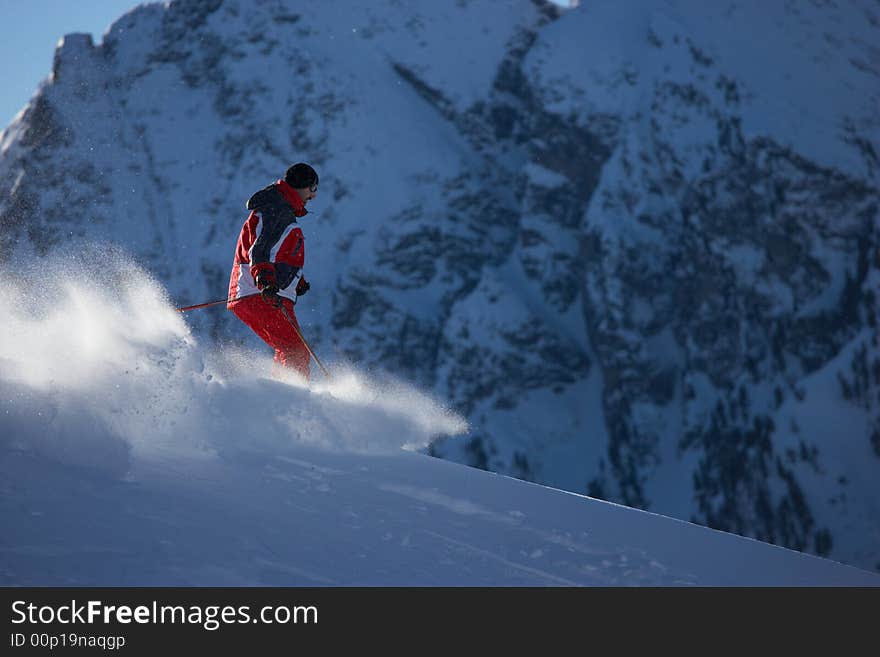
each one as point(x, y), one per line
point(130, 454)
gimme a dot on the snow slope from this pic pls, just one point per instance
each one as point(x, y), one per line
point(132, 455)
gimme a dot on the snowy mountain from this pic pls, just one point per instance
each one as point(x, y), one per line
point(128, 458)
point(632, 245)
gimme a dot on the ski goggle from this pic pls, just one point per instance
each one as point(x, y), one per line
point(313, 188)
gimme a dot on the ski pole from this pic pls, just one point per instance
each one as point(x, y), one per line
point(212, 303)
point(308, 348)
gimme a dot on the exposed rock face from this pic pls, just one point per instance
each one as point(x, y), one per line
point(639, 251)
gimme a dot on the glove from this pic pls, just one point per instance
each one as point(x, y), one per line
point(268, 289)
point(270, 295)
point(302, 287)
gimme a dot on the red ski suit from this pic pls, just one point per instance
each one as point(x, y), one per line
point(271, 244)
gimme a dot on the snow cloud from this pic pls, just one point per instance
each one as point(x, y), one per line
point(97, 369)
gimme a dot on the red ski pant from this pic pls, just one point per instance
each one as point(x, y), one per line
point(275, 330)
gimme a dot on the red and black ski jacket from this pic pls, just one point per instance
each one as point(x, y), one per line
point(270, 244)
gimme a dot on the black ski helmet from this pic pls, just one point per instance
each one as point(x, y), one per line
point(300, 176)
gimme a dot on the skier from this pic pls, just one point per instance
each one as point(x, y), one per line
point(267, 269)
